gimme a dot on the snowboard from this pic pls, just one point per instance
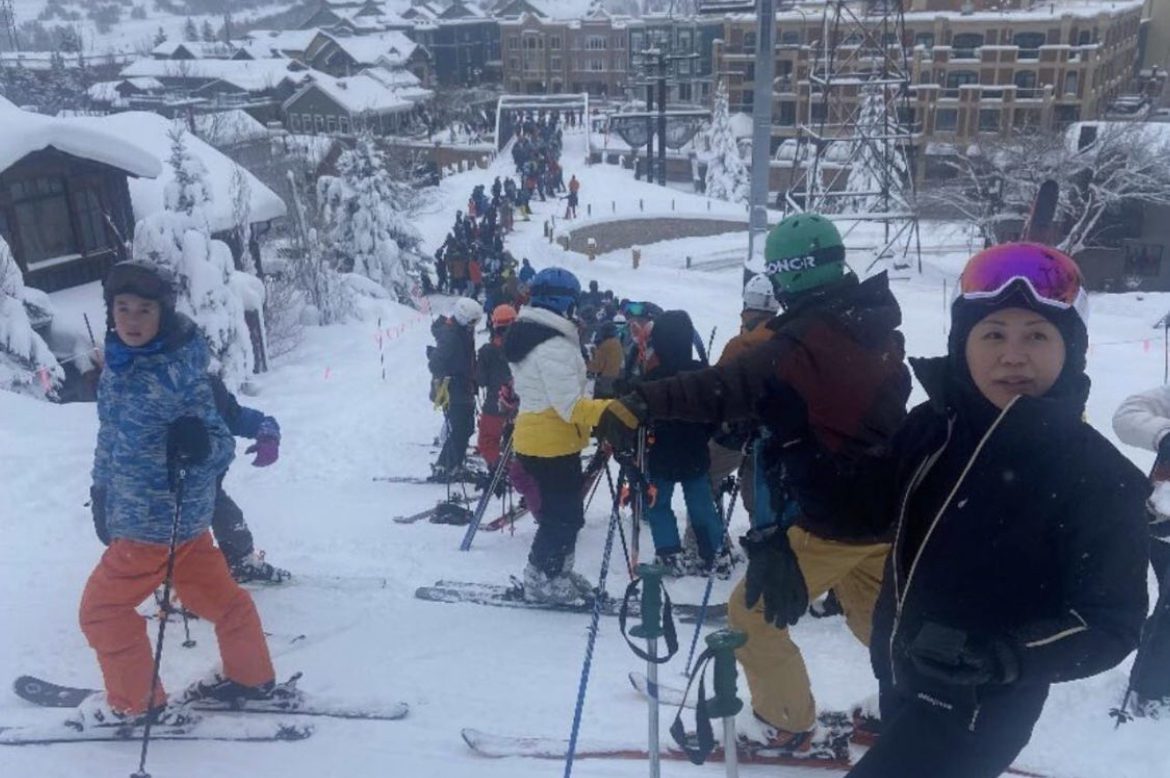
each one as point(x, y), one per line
point(512, 596)
point(50, 695)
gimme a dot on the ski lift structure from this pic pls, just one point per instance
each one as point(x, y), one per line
point(854, 144)
point(512, 108)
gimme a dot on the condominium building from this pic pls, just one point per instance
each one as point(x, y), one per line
point(974, 73)
point(687, 44)
point(550, 56)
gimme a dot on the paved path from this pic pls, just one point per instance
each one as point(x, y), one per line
point(615, 235)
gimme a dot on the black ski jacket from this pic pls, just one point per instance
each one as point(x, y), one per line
point(453, 357)
point(1024, 525)
point(491, 373)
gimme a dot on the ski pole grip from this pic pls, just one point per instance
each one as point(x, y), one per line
point(651, 612)
point(725, 701)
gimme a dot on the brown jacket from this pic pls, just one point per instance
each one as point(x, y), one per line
point(834, 362)
point(607, 359)
point(752, 333)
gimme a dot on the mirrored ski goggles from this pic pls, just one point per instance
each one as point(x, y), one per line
point(1051, 277)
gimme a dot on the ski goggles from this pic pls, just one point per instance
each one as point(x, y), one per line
point(1049, 276)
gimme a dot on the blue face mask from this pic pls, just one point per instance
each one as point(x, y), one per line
point(119, 356)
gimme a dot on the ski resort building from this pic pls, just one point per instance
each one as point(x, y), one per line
point(552, 56)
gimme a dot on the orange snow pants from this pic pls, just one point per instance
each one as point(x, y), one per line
point(127, 574)
point(491, 430)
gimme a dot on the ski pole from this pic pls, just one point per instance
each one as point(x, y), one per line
point(614, 518)
point(710, 582)
point(725, 703)
point(651, 630)
point(188, 642)
point(486, 498)
point(151, 710)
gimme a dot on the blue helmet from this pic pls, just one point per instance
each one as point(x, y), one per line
point(555, 289)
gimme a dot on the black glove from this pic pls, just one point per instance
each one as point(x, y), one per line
point(950, 655)
point(774, 574)
point(187, 442)
point(620, 421)
point(97, 506)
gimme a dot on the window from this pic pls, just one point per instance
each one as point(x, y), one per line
point(1070, 83)
point(513, 43)
point(1143, 260)
point(331, 124)
point(684, 41)
point(818, 111)
point(749, 42)
point(946, 120)
point(1026, 85)
point(532, 43)
point(924, 39)
point(319, 122)
point(989, 120)
point(554, 42)
point(1029, 43)
point(343, 124)
point(91, 220)
point(595, 43)
point(958, 78)
point(513, 63)
point(787, 115)
point(684, 67)
point(790, 38)
point(749, 73)
point(294, 122)
point(554, 63)
point(41, 216)
point(306, 123)
point(596, 65)
point(620, 43)
point(636, 42)
point(965, 44)
point(684, 93)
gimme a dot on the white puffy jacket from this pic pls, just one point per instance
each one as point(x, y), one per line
point(1144, 419)
point(548, 373)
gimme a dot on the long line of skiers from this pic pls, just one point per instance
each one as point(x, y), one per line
point(984, 545)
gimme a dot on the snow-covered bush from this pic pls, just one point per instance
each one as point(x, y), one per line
point(27, 366)
point(727, 176)
point(365, 221)
point(179, 238)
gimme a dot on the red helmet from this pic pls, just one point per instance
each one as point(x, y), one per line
point(503, 315)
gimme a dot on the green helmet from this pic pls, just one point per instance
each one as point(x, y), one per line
point(803, 252)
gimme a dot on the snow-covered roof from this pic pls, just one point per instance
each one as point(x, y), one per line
point(370, 91)
point(225, 128)
point(368, 49)
point(150, 132)
point(279, 41)
point(198, 49)
point(1144, 133)
point(248, 75)
point(26, 132)
point(107, 91)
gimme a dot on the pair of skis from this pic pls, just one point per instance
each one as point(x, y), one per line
point(215, 720)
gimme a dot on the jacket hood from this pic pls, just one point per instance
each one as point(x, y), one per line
point(534, 326)
point(672, 339)
point(867, 309)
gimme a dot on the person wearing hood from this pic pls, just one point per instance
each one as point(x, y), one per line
point(1020, 539)
point(678, 457)
point(833, 362)
point(452, 364)
point(605, 366)
point(162, 445)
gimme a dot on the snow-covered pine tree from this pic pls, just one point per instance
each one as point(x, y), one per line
point(160, 37)
point(190, 31)
point(877, 164)
point(27, 366)
point(179, 238)
point(207, 32)
point(727, 176)
point(365, 227)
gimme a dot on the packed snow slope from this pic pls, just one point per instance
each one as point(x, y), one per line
point(319, 512)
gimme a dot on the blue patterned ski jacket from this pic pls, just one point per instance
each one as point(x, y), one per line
point(140, 393)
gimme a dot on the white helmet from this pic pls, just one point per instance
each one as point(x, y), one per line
point(758, 295)
point(467, 311)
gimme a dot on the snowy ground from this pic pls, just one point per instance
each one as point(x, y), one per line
point(318, 511)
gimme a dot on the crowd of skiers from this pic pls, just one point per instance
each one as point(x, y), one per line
point(984, 545)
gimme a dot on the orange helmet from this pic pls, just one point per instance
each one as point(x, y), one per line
point(503, 315)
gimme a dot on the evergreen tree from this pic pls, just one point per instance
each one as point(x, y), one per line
point(27, 366)
point(365, 226)
point(727, 176)
point(69, 39)
point(190, 32)
point(207, 32)
point(179, 238)
point(160, 37)
point(876, 164)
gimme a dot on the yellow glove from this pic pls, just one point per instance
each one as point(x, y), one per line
point(440, 393)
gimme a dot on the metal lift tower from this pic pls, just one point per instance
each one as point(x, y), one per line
point(854, 149)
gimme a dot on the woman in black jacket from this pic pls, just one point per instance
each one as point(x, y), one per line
point(1019, 531)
